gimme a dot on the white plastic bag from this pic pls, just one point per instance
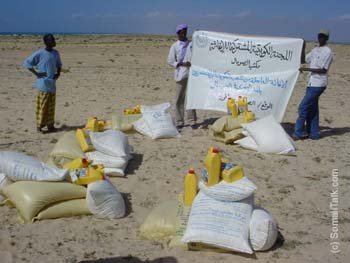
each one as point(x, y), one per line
point(229, 192)
point(104, 200)
point(161, 124)
point(156, 122)
point(107, 160)
point(269, 136)
point(248, 143)
point(111, 142)
point(109, 171)
point(263, 230)
point(158, 107)
point(141, 126)
point(221, 224)
point(21, 167)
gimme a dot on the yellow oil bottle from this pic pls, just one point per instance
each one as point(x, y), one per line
point(232, 107)
point(77, 163)
point(190, 187)
point(101, 125)
point(137, 109)
point(242, 104)
point(248, 116)
point(232, 173)
point(134, 110)
point(87, 175)
point(92, 124)
point(84, 140)
point(212, 164)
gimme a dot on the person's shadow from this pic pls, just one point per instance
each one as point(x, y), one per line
point(131, 259)
point(207, 122)
point(325, 131)
point(65, 127)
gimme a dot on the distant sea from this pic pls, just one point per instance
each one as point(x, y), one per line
point(71, 33)
point(110, 34)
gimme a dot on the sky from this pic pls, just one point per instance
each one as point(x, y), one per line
point(292, 18)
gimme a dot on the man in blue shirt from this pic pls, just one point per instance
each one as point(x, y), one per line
point(46, 65)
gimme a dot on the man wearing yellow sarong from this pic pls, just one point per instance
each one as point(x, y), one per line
point(46, 65)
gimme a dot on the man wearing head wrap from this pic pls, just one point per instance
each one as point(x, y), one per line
point(320, 60)
point(46, 65)
point(179, 58)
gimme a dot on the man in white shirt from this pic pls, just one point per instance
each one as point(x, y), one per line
point(179, 58)
point(319, 60)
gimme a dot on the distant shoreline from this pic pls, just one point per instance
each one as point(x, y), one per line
point(78, 34)
point(14, 34)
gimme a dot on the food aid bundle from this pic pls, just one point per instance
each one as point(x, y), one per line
point(109, 148)
point(266, 135)
point(39, 191)
point(156, 122)
point(221, 217)
point(228, 129)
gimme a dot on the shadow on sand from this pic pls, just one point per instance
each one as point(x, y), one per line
point(325, 131)
point(134, 163)
point(131, 259)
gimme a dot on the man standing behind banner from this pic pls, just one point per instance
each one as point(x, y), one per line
point(319, 59)
point(179, 57)
point(46, 65)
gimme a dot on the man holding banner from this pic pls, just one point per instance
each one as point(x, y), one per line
point(179, 58)
point(319, 59)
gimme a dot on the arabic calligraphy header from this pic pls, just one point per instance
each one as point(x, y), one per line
point(241, 54)
point(264, 69)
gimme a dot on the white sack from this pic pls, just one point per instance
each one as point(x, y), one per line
point(113, 171)
point(142, 127)
point(111, 142)
point(269, 136)
point(104, 200)
point(263, 230)
point(108, 160)
point(221, 224)
point(158, 107)
point(21, 167)
point(229, 192)
point(161, 124)
point(159, 121)
point(248, 143)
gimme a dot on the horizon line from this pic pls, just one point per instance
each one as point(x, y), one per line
point(12, 33)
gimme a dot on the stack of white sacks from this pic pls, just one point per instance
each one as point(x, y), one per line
point(112, 151)
point(40, 191)
point(224, 216)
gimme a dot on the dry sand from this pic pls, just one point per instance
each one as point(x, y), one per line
point(104, 74)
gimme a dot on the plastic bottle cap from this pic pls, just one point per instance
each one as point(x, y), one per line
point(215, 151)
point(191, 171)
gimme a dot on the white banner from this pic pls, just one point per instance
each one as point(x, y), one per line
point(263, 69)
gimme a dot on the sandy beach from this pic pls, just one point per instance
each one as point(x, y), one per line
point(104, 74)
